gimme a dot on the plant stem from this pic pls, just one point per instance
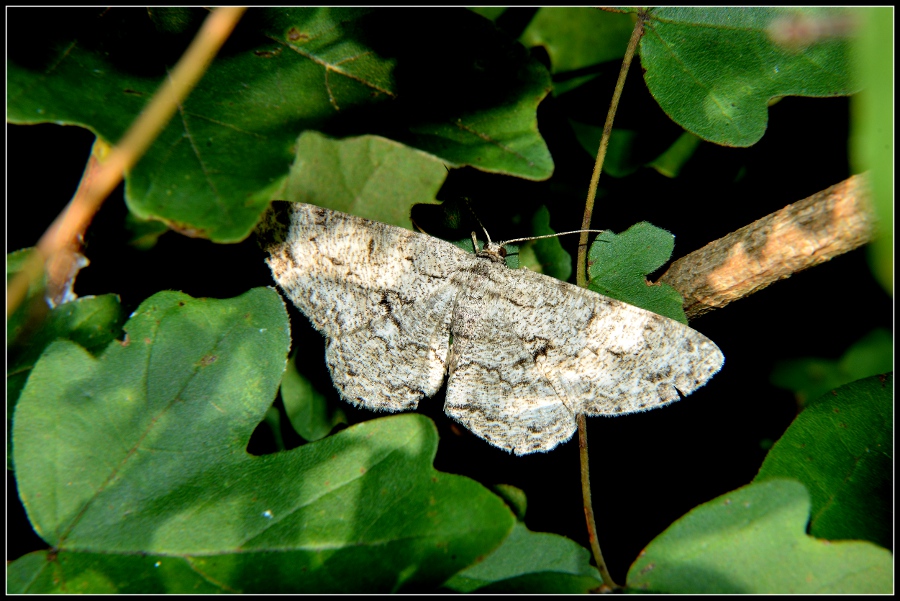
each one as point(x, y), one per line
point(581, 272)
point(581, 278)
point(121, 158)
point(588, 508)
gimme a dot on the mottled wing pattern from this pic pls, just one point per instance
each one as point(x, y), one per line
point(531, 352)
point(381, 295)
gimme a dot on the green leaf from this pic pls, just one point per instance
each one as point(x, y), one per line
point(753, 541)
point(841, 448)
point(488, 12)
point(545, 256)
point(630, 150)
point(531, 562)
point(714, 71)
point(577, 37)
point(133, 466)
point(307, 408)
point(91, 321)
point(618, 266)
point(368, 176)
point(515, 498)
point(32, 305)
point(143, 234)
point(216, 165)
point(812, 377)
point(677, 155)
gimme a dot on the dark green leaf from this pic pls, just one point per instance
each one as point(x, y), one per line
point(545, 256)
point(715, 70)
point(753, 541)
point(32, 306)
point(618, 266)
point(674, 158)
point(577, 37)
point(629, 150)
point(841, 448)
point(133, 466)
point(307, 408)
point(515, 498)
point(488, 12)
point(531, 562)
point(144, 233)
point(812, 377)
point(286, 70)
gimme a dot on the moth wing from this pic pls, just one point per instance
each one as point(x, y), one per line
point(550, 350)
point(380, 294)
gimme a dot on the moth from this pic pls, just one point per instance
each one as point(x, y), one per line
point(522, 353)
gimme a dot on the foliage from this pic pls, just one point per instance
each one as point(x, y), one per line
point(618, 266)
point(841, 448)
point(133, 442)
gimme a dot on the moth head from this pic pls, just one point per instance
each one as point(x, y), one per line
point(496, 253)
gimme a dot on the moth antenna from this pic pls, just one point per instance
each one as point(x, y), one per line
point(481, 225)
point(548, 236)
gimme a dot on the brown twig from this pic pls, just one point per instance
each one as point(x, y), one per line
point(799, 236)
point(64, 231)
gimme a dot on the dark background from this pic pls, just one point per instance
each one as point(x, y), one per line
point(648, 469)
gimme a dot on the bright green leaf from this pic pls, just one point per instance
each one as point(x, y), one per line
point(531, 562)
point(286, 70)
point(715, 70)
point(307, 408)
point(371, 177)
point(841, 448)
point(133, 466)
point(91, 321)
point(753, 541)
point(810, 378)
point(73, 572)
point(618, 266)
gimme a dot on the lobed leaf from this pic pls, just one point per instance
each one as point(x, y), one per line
point(531, 562)
point(133, 467)
point(753, 541)
point(714, 70)
point(618, 265)
point(216, 165)
point(368, 176)
point(577, 38)
point(841, 448)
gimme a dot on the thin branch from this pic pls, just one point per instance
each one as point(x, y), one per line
point(581, 278)
point(608, 582)
point(580, 270)
point(799, 236)
point(64, 231)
